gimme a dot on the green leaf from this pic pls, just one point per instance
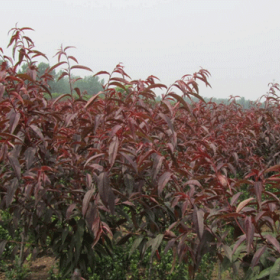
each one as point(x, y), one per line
point(156, 243)
point(275, 271)
point(2, 246)
point(264, 273)
point(228, 252)
point(135, 245)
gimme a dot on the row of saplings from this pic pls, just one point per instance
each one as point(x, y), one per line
point(175, 184)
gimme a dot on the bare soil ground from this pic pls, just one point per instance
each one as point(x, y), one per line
point(39, 268)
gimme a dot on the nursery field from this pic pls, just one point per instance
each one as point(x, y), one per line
point(122, 186)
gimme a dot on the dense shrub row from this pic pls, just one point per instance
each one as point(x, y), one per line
point(83, 176)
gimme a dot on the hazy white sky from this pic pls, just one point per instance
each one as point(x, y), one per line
point(238, 41)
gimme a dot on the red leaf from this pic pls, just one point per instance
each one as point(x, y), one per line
point(222, 179)
point(15, 165)
point(69, 47)
point(14, 119)
point(93, 157)
point(242, 204)
point(167, 120)
point(273, 241)
point(272, 195)
point(241, 239)
point(70, 210)
point(37, 130)
point(55, 66)
point(63, 74)
point(97, 230)
point(273, 168)
point(26, 28)
point(17, 96)
point(124, 239)
point(86, 201)
point(60, 97)
point(257, 256)
point(91, 100)
point(2, 90)
point(142, 158)
point(163, 179)
point(192, 182)
point(235, 198)
point(81, 67)
point(198, 220)
point(117, 84)
point(78, 91)
point(113, 150)
point(101, 72)
point(258, 190)
point(250, 230)
point(155, 86)
point(29, 157)
point(73, 58)
point(106, 194)
point(180, 99)
point(129, 159)
point(8, 135)
point(89, 181)
point(11, 191)
point(157, 165)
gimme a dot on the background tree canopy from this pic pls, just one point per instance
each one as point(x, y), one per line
point(89, 83)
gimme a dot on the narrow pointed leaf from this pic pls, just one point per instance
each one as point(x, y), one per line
point(242, 204)
point(271, 239)
point(60, 97)
point(106, 194)
point(86, 201)
point(56, 65)
point(70, 210)
point(135, 245)
point(198, 220)
point(157, 166)
point(2, 247)
point(92, 99)
point(156, 243)
point(29, 157)
point(93, 157)
point(228, 252)
point(37, 130)
point(113, 150)
point(234, 198)
point(15, 165)
point(163, 180)
point(275, 271)
point(14, 119)
point(257, 256)
point(11, 191)
point(81, 67)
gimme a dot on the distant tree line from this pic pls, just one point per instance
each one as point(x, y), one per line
point(92, 85)
point(245, 103)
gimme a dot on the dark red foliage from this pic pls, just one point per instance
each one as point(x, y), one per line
point(121, 165)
